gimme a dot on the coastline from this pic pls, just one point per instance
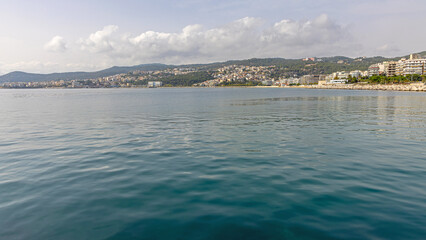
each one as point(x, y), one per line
point(413, 87)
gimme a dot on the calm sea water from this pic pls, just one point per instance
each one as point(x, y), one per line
point(212, 164)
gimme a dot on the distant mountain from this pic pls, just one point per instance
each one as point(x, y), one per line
point(299, 67)
point(289, 63)
point(34, 77)
point(324, 65)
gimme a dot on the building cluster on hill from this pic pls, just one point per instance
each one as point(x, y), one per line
point(333, 78)
point(240, 74)
point(243, 75)
point(237, 74)
point(415, 64)
point(119, 80)
point(131, 79)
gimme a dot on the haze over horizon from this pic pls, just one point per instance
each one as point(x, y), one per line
point(50, 36)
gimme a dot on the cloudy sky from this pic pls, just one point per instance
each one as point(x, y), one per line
point(52, 36)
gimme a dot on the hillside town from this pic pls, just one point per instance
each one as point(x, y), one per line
point(411, 68)
point(241, 74)
point(414, 65)
point(124, 80)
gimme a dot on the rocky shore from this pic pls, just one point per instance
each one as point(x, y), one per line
point(386, 87)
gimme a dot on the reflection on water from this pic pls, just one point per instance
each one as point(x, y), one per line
point(380, 114)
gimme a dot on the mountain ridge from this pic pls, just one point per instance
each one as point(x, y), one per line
point(20, 76)
point(326, 65)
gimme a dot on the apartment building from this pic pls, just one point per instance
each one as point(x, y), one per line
point(373, 70)
point(414, 66)
point(390, 68)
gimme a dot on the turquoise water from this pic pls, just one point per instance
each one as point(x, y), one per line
point(235, 163)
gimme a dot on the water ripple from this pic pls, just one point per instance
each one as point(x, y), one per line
point(212, 164)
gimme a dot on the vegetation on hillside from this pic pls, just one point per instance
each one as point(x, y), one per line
point(284, 68)
point(179, 80)
point(379, 79)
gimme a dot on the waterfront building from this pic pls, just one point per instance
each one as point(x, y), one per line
point(414, 66)
point(338, 81)
point(365, 73)
point(154, 84)
point(390, 68)
point(289, 81)
point(309, 79)
point(400, 67)
point(356, 74)
point(267, 82)
point(338, 75)
point(381, 68)
point(373, 70)
point(322, 82)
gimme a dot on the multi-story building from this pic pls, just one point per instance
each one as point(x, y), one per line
point(154, 84)
point(400, 67)
point(337, 81)
point(390, 68)
point(337, 75)
point(311, 79)
point(355, 74)
point(414, 66)
point(289, 81)
point(373, 70)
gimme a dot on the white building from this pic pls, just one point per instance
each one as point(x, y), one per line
point(390, 68)
point(337, 75)
point(154, 84)
point(355, 74)
point(414, 66)
point(311, 79)
point(290, 81)
point(338, 81)
point(400, 66)
point(373, 70)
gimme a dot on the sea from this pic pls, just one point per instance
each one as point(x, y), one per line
point(212, 163)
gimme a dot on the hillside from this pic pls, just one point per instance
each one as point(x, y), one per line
point(33, 77)
point(289, 67)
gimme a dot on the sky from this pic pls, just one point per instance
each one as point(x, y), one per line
point(47, 36)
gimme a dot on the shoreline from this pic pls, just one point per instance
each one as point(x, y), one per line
point(413, 87)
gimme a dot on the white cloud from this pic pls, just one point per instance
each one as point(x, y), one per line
point(318, 31)
point(243, 38)
point(56, 44)
point(100, 41)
